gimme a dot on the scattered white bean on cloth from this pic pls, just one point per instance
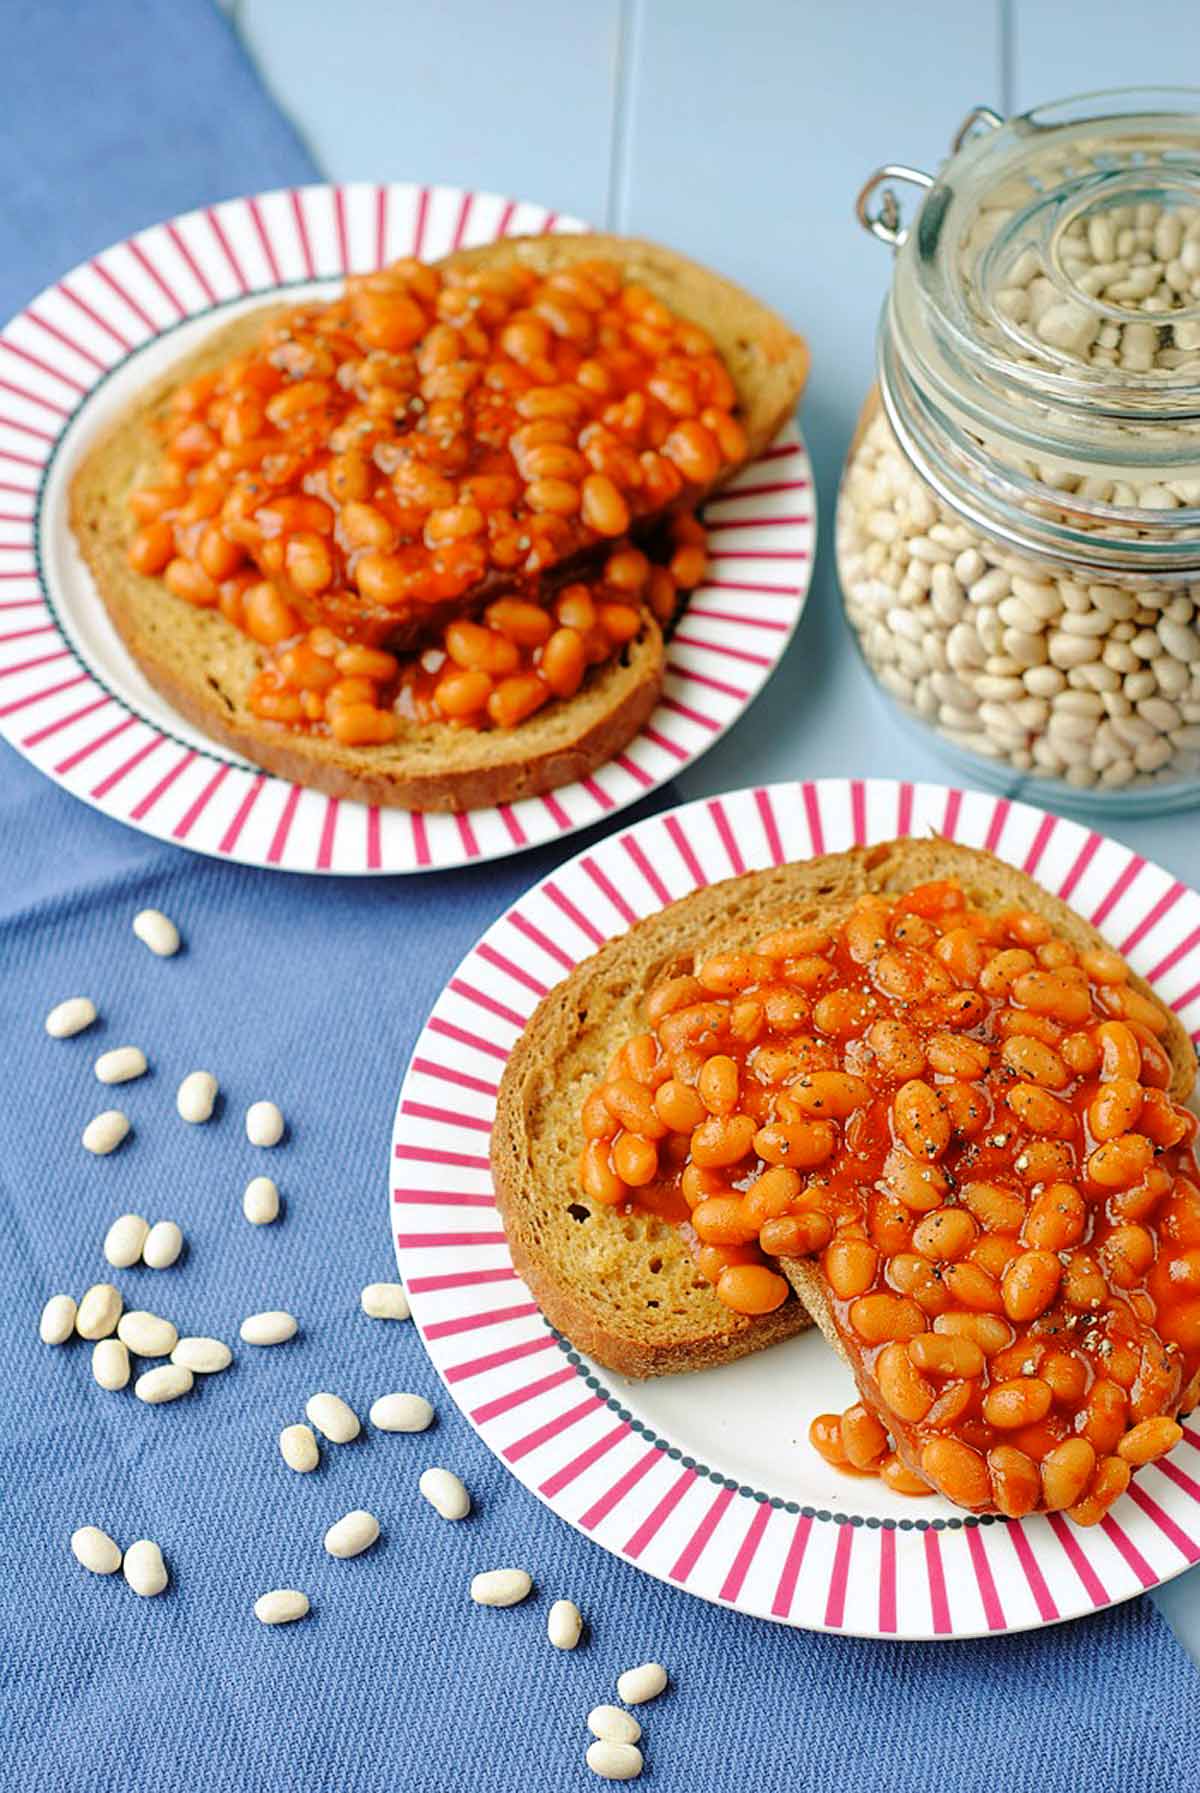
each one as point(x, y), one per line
point(564, 1625)
point(282, 1606)
point(105, 1131)
point(637, 1685)
point(58, 1320)
point(613, 1725)
point(99, 1311)
point(614, 1761)
point(260, 1201)
point(333, 1417)
point(445, 1493)
point(274, 1327)
point(401, 1413)
point(385, 1301)
point(203, 1356)
point(124, 1240)
point(264, 1124)
point(352, 1534)
point(162, 1246)
point(166, 1383)
point(144, 1568)
point(196, 1097)
point(146, 1334)
point(121, 1065)
point(157, 931)
point(501, 1587)
point(110, 1364)
point(95, 1550)
point(70, 1017)
point(298, 1448)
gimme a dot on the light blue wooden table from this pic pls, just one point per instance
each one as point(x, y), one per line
point(739, 133)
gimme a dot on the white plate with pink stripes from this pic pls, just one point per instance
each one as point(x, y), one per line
point(709, 1481)
point(75, 705)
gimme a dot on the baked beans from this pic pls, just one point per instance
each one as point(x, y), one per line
point(1005, 1212)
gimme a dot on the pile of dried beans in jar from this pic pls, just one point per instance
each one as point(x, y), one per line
point(965, 1123)
point(429, 439)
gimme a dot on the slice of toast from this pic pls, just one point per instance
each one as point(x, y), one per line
point(624, 1287)
point(204, 666)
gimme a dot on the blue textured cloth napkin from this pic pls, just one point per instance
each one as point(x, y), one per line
point(312, 992)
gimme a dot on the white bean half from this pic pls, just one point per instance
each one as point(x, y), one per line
point(385, 1301)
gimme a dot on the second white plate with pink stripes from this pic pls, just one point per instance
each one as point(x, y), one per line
point(74, 703)
point(708, 1481)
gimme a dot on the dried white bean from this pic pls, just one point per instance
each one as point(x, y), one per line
point(146, 1334)
point(121, 1065)
point(58, 1320)
point(501, 1587)
point(196, 1097)
point(166, 1383)
point(282, 1606)
point(637, 1685)
point(164, 1242)
point(298, 1448)
point(203, 1356)
point(70, 1017)
point(157, 931)
point(99, 1311)
point(264, 1124)
point(145, 1570)
point(385, 1301)
point(401, 1413)
point(333, 1417)
point(564, 1625)
point(124, 1240)
point(274, 1327)
point(352, 1534)
point(95, 1550)
point(613, 1725)
point(110, 1363)
point(105, 1131)
point(614, 1761)
point(445, 1493)
point(260, 1202)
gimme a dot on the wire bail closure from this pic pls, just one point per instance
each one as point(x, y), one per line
point(885, 222)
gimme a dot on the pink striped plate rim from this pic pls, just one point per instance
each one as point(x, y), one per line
point(709, 1481)
point(75, 705)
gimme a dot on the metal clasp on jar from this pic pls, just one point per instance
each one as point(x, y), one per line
point(885, 222)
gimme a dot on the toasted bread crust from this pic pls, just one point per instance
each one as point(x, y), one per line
point(568, 1041)
point(203, 666)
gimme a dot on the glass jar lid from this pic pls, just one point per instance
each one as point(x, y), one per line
point(1040, 348)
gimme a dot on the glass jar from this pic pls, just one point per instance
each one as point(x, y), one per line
point(1018, 526)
